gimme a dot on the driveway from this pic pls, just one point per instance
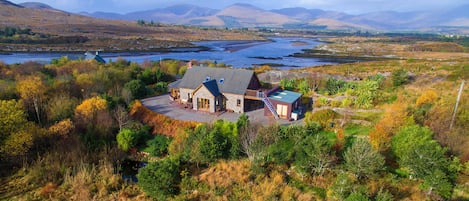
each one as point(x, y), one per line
point(163, 105)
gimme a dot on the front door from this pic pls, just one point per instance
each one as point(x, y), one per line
point(282, 110)
point(203, 104)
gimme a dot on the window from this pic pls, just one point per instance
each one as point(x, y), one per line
point(222, 80)
point(203, 104)
point(207, 79)
point(238, 102)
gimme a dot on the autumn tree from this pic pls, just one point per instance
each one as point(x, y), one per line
point(60, 107)
point(16, 133)
point(87, 112)
point(394, 117)
point(32, 90)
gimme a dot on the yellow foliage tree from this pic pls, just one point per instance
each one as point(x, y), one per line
point(429, 96)
point(62, 128)
point(395, 116)
point(88, 109)
point(32, 89)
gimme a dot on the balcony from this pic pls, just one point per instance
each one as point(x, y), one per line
point(254, 94)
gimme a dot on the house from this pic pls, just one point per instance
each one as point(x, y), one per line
point(236, 90)
point(283, 104)
point(217, 89)
point(91, 56)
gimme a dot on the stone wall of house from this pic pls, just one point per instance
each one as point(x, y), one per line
point(232, 102)
point(205, 94)
point(184, 94)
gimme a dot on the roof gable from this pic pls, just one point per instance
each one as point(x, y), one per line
point(212, 87)
point(91, 56)
point(234, 81)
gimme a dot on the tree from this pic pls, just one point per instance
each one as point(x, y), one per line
point(126, 139)
point(12, 117)
point(362, 160)
point(60, 107)
point(32, 89)
point(16, 132)
point(137, 88)
point(121, 116)
point(160, 179)
point(214, 145)
point(342, 186)
point(424, 158)
point(314, 154)
point(395, 116)
point(89, 108)
point(158, 145)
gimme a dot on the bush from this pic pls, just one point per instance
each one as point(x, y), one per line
point(127, 139)
point(160, 179)
point(158, 146)
point(137, 88)
point(399, 77)
point(324, 117)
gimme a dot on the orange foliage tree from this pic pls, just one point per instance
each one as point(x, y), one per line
point(395, 116)
point(161, 124)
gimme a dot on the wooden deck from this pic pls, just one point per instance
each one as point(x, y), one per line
point(254, 94)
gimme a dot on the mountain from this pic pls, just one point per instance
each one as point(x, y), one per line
point(7, 3)
point(300, 13)
point(246, 15)
point(35, 5)
point(177, 14)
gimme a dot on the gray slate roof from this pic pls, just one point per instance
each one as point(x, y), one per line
point(212, 87)
point(91, 56)
point(235, 81)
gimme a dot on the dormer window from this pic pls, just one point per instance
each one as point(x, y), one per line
point(222, 80)
point(207, 79)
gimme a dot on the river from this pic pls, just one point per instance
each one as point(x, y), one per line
point(276, 52)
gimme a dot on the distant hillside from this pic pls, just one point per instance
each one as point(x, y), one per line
point(55, 30)
point(246, 15)
point(35, 5)
point(5, 2)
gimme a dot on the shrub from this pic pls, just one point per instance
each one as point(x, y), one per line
point(160, 179)
point(127, 139)
point(399, 77)
point(428, 96)
point(324, 117)
point(158, 145)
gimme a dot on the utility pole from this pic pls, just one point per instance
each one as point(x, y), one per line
point(456, 106)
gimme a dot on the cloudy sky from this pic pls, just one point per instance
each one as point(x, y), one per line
point(349, 6)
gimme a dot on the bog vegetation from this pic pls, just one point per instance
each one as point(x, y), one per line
point(376, 131)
